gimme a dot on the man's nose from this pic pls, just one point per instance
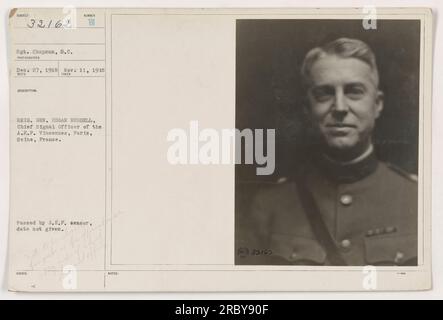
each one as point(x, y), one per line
point(340, 104)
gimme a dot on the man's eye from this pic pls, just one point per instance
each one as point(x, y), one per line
point(323, 94)
point(355, 92)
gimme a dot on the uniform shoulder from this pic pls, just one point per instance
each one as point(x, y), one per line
point(401, 173)
point(280, 187)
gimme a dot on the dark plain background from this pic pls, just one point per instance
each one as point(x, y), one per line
point(269, 55)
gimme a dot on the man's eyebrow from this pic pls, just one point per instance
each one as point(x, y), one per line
point(356, 83)
point(345, 85)
point(322, 86)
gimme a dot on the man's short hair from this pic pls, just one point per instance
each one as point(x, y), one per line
point(343, 48)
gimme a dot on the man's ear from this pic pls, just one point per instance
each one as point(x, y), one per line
point(379, 103)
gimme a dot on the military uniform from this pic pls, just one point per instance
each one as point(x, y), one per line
point(359, 214)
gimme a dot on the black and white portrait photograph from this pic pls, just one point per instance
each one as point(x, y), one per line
point(344, 102)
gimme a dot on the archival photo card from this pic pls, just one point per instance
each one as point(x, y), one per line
point(221, 150)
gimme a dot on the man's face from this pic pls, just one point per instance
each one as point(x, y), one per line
point(344, 102)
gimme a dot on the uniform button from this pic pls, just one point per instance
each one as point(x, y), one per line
point(390, 229)
point(294, 256)
point(346, 199)
point(370, 233)
point(399, 257)
point(345, 244)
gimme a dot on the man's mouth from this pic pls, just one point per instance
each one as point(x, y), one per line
point(341, 125)
point(340, 129)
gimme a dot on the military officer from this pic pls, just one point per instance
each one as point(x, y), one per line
point(342, 206)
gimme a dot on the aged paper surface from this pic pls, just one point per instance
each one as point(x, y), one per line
point(96, 202)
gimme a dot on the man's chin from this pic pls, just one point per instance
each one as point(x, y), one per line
point(342, 144)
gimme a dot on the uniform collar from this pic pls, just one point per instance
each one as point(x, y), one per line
point(360, 158)
point(347, 172)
